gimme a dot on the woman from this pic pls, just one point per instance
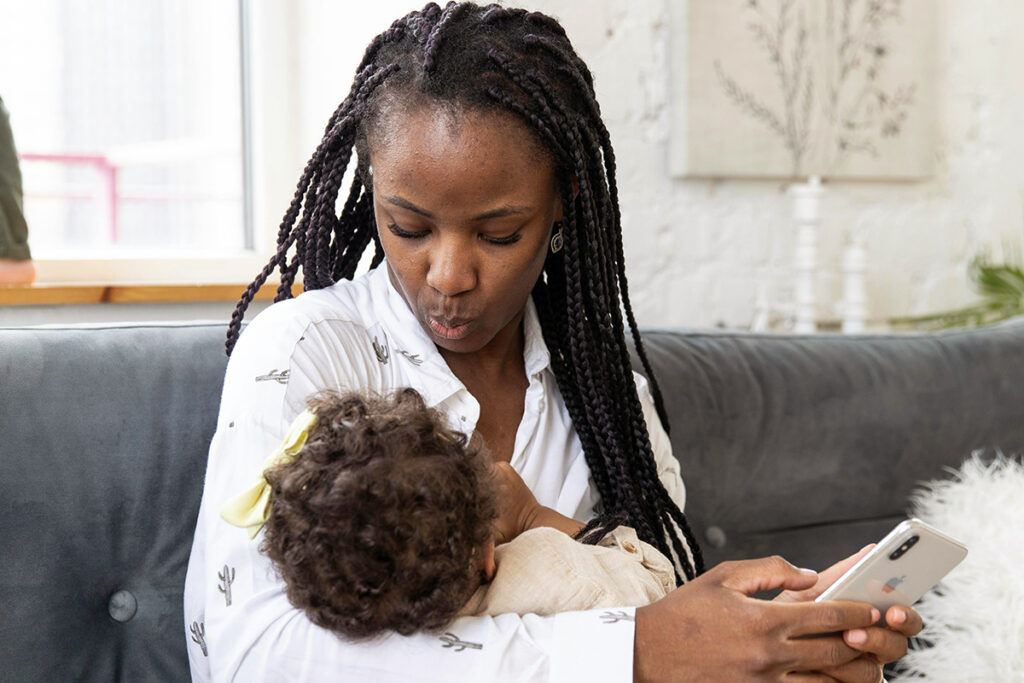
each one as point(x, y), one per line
point(485, 177)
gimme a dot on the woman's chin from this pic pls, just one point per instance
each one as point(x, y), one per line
point(461, 345)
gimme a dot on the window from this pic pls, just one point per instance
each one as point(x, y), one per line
point(128, 118)
point(143, 124)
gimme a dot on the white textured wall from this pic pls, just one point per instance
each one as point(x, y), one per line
point(696, 249)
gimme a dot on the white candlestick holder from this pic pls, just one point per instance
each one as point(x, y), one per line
point(806, 202)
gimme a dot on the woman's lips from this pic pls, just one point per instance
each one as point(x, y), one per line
point(451, 329)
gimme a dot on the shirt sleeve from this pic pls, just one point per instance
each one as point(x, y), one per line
point(666, 462)
point(668, 465)
point(240, 625)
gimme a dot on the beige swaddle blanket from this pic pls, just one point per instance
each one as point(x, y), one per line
point(544, 571)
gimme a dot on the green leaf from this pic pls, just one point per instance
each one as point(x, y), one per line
point(1001, 287)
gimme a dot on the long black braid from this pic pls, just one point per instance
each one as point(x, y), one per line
point(501, 59)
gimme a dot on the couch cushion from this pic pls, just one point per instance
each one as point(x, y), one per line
point(104, 443)
point(807, 446)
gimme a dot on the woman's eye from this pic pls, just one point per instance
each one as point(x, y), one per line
point(510, 239)
point(399, 232)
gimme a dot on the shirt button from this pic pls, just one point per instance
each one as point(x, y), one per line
point(463, 418)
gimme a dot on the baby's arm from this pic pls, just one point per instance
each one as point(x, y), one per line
point(520, 511)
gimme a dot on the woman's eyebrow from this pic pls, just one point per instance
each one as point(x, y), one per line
point(500, 212)
point(406, 204)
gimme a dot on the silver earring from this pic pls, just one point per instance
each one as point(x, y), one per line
point(557, 239)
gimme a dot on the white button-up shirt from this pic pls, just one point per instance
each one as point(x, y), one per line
point(362, 335)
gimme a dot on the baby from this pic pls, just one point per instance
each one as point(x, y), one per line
point(380, 518)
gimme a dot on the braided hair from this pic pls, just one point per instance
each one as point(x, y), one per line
point(499, 59)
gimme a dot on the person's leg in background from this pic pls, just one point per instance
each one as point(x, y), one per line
point(16, 265)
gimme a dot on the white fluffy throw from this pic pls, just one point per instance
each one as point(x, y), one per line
point(975, 618)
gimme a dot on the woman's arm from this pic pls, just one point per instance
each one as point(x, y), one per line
point(239, 625)
point(760, 640)
point(748, 638)
point(882, 643)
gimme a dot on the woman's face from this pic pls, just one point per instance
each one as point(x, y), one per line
point(464, 206)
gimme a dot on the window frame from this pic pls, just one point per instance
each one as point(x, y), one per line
point(271, 161)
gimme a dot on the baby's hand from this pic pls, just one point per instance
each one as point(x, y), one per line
point(516, 504)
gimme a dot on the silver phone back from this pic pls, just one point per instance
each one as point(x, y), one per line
point(884, 581)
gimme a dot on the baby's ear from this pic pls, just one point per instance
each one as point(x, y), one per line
point(485, 562)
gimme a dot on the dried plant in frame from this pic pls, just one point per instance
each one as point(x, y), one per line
point(792, 88)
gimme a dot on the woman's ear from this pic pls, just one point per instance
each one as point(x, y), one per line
point(485, 562)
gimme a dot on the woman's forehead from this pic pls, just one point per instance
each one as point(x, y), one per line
point(457, 167)
point(453, 129)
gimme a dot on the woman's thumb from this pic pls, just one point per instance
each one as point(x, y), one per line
point(765, 574)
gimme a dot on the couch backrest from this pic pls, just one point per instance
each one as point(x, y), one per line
point(808, 446)
point(803, 446)
point(103, 440)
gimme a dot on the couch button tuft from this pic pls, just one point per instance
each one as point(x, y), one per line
point(715, 536)
point(122, 606)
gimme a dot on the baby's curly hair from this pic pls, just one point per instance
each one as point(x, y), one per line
point(377, 523)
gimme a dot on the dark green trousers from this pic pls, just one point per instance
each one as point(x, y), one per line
point(13, 229)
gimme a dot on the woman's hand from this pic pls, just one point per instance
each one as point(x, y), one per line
point(517, 505)
point(711, 630)
point(879, 643)
point(825, 578)
point(519, 510)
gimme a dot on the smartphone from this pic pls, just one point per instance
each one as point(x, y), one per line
point(904, 565)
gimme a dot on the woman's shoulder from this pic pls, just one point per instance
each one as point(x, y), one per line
point(643, 388)
point(321, 338)
point(316, 331)
point(347, 304)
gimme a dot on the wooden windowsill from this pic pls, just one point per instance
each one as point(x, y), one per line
point(85, 294)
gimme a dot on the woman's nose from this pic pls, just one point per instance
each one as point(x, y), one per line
point(452, 271)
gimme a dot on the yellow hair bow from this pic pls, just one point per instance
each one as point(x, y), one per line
point(250, 508)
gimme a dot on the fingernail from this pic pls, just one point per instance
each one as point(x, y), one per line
point(875, 615)
point(809, 572)
point(857, 636)
point(869, 546)
point(898, 616)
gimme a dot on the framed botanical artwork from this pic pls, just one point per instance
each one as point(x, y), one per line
point(841, 89)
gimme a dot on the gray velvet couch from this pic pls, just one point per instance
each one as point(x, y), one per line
point(802, 446)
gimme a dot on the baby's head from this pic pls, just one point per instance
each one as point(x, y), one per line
point(384, 519)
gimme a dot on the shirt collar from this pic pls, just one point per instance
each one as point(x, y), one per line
point(536, 356)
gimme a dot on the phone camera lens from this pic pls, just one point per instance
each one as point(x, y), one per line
point(904, 547)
